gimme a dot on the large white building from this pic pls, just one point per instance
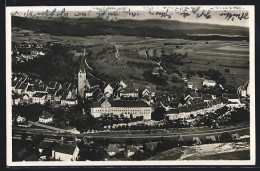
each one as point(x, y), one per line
point(127, 108)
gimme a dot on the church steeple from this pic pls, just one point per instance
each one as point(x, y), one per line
point(82, 78)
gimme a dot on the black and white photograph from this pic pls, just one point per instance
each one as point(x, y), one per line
point(130, 85)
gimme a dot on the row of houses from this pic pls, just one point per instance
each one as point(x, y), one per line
point(28, 90)
point(121, 89)
point(195, 109)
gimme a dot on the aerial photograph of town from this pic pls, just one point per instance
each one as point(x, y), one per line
point(119, 84)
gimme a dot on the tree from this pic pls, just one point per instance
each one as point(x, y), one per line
point(22, 154)
point(222, 81)
point(158, 114)
point(32, 158)
point(227, 70)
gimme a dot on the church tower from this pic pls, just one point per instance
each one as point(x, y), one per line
point(81, 82)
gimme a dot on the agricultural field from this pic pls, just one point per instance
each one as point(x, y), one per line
point(202, 55)
point(220, 55)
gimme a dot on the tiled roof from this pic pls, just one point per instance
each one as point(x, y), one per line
point(131, 148)
point(129, 103)
point(66, 86)
point(209, 81)
point(123, 104)
point(65, 148)
point(97, 104)
point(151, 88)
point(23, 85)
point(40, 88)
point(30, 88)
point(112, 148)
point(51, 84)
point(129, 90)
point(60, 92)
point(39, 94)
point(51, 91)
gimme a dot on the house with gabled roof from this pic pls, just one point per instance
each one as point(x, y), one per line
point(30, 90)
point(196, 141)
point(207, 97)
point(45, 117)
point(130, 150)
point(151, 89)
point(232, 98)
point(39, 98)
point(112, 149)
point(108, 90)
point(40, 88)
point(66, 86)
point(65, 152)
point(25, 98)
point(69, 102)
point(123, 84)
point(209, 83)
point(151, 146)
point(210, 138)
point(129, 92)
point(51, 93)
point(51, 84)
point(23, 86)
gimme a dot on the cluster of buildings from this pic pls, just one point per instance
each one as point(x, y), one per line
point(198, 107)
point(26, 57)
point(195, 104)
point(116, 98)
point(31, 91)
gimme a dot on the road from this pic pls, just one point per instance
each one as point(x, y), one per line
point(157, 63)
point(85, 61)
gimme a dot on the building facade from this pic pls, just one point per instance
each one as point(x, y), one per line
point(65, 152)
point(127, 108)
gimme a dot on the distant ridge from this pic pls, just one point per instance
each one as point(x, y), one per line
point(148, 28)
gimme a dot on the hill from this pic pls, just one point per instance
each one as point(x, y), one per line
point(144, 28)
